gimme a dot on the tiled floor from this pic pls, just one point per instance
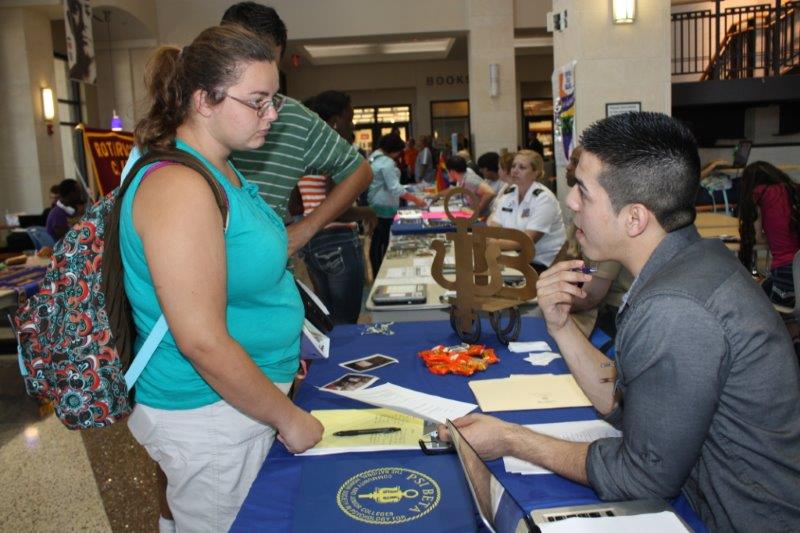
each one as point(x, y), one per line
point(56, 480)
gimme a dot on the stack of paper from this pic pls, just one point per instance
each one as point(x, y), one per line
point(522, 392)
point(426, 406)
point(411, 430)
point(581, 431)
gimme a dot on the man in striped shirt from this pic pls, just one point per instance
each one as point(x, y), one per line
point(299, 143)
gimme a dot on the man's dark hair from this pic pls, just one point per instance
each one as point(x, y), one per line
point(391, 143)
point(329, 104)
point(457, 163)
point(260, 19)
point(489, 161)
point(650, 159)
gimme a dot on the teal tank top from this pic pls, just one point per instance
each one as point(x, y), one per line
point(264, 311)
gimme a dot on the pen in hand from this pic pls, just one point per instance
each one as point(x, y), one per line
point(369, 431)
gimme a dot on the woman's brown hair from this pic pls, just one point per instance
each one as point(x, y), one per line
point(506, 160)
point(213, 62)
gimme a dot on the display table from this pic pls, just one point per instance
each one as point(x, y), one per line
point(413, 254)
point(280, 496)
point(22, 281)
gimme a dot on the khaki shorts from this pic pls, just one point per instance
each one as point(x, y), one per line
point(211, 455)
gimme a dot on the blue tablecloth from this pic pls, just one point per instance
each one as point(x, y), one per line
point(420, 228)
point(274, 495)
point(22, 279)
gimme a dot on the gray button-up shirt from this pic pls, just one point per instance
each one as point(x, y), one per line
point(710, 393)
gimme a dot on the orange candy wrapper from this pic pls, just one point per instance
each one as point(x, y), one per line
point(463, 359)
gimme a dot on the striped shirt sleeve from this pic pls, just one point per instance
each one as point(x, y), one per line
point(328, 153)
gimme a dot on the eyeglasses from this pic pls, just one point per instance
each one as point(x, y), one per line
point(262, 106)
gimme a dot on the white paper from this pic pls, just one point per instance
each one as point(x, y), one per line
point(313, 343)
point(542, 358)
point(426, 406)
point(436, 209)
point(405, 214)
point(531, 346)
point(663, 522)
point(313, 297)
point(580, 431)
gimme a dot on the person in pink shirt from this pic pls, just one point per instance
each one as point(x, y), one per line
point(769, 211)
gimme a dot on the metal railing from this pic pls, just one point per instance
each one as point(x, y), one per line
point(755, 41)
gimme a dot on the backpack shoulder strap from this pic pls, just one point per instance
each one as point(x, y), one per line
point(188, 160)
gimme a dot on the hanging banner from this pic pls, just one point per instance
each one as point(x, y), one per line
point(565, 132)
point(80, 42)
point(108, 151)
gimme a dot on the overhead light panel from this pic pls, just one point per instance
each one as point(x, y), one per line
point(321, 54)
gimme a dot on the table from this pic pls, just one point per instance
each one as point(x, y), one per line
point(428, 223)
point(273, 497)
point(717, 220)
point(433, 308)
point(417, 256)
point(719, 226)
point(21, 281)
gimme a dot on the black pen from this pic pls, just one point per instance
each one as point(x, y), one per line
point(370, 431)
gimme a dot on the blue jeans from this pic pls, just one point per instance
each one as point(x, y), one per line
point(335, 263)
point(779, 286)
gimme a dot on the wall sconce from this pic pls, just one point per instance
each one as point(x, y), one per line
point(48, 108)
point(623, 11)
point(494, 79)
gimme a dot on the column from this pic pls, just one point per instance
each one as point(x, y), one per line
point(614, 62)
point(493, 119)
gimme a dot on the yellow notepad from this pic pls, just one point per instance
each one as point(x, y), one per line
point(334, 420)
point(522, 392)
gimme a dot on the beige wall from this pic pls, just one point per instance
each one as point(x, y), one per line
point(126, 92)
point(615, 63)
point(381, 83)
point(30, 160)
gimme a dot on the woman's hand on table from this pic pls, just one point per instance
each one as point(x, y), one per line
point(300, 431)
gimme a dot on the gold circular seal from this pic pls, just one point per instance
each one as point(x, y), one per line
point(388, 495)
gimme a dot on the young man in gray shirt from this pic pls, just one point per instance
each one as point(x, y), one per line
point(705, 385)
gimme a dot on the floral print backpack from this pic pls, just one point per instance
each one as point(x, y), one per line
point(75, 335)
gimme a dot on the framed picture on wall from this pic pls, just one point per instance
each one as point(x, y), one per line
point(619, 108)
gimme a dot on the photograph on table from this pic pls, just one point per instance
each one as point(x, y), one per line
point(370, 362)
point(350, 382)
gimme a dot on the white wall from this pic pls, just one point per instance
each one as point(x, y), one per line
point(30, 159)
point(615, 63)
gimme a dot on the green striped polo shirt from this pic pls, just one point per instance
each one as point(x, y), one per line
point(299, 143)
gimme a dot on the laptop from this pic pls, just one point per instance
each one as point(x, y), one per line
point(742, 153)
point(500, 512)
point(407, 294)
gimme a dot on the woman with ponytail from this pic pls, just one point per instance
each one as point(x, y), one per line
point(213, 397)
point(769, 211)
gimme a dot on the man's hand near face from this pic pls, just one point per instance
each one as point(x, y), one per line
point(557, 289)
